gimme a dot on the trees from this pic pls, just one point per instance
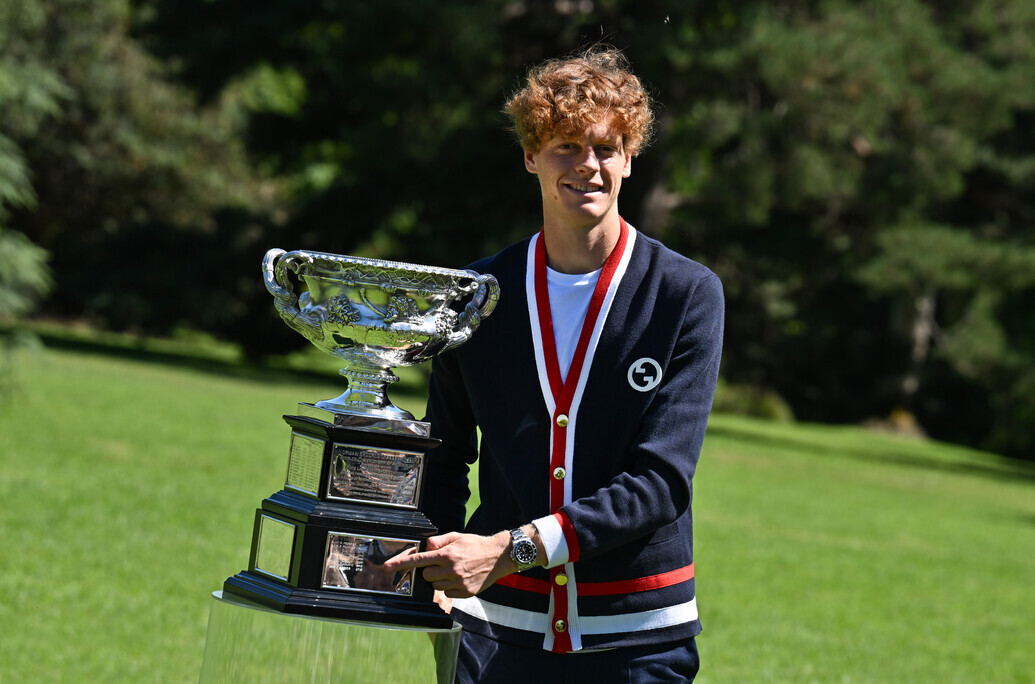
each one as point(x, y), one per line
point(29, 94)
point(856, 172)
point(382, 116)
point(146, 201)
point(859, 174)
point(128, 172)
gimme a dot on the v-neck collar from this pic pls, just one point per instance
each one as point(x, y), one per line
point(563, 390)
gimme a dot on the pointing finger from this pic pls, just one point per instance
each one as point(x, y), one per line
point(401, 561)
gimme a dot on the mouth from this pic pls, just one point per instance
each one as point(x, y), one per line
point(584, 188)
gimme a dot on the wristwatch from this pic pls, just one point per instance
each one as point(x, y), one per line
point(523, 551)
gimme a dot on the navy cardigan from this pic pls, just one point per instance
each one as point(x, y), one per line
point(609, 463)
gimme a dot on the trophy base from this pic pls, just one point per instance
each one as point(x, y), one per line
point(350, 502)
point(400, 423)
point(329, 604)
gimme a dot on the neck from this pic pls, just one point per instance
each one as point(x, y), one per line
point(580, 249)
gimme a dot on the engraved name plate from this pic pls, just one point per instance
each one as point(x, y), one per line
point(304, 464)
point(276, 541)
point(355, 563)
point(381, 476)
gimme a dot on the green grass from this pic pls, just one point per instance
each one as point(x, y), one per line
point(829, 554)
point(824, 554)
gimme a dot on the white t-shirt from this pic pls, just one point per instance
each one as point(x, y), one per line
point(569, 301)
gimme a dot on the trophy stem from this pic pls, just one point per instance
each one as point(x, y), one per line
point(367, 394)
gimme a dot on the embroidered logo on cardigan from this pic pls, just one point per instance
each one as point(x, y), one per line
point(644, 374)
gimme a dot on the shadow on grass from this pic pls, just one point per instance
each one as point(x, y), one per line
point(998, 468)
point(254, 371)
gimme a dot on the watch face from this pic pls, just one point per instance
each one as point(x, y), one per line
point(524, 552)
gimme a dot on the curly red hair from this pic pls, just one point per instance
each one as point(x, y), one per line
point(565, 96)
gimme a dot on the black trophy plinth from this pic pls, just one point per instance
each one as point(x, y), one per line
point(350, 502)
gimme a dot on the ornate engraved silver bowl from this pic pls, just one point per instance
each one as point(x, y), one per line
point(375, 315)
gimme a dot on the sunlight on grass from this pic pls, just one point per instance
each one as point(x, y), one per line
point(824, 554)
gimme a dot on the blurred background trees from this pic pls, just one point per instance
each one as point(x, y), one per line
point(29, 94)
point(859, 174)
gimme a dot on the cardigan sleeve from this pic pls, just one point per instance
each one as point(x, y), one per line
point(656, 489)
point(446, 484)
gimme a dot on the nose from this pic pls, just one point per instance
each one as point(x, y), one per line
point(587, 160)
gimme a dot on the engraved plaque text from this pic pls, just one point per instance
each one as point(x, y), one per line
point(355, 563)
point(381, 476)
point(304, 463)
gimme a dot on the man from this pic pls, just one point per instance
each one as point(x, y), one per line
point(591, 385)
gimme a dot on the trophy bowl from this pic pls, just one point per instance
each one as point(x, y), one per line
point(375, 315)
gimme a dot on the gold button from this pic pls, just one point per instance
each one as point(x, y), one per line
point(559, 473)
point(562, 420)
point(560, 626)
point(561, 579)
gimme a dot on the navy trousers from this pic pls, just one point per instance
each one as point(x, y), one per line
point(485, 661)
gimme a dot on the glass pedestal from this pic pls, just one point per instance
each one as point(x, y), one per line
point(251, 643)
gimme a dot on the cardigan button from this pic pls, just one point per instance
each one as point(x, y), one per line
point(562, 420)
point(561, 579)
point(560, 626)
point(559, 473)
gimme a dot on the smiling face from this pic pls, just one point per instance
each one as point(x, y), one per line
point(580, 176)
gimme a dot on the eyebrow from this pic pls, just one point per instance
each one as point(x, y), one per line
point(617, 139)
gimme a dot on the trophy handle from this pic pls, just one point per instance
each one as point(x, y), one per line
point(273, 282)
point(274, 269)
point(481, 305)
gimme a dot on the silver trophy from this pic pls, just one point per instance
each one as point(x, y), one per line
point(352, 493)
point(375, 315)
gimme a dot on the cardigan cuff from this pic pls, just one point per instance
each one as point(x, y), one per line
point(554, 543)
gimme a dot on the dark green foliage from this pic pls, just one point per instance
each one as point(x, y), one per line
point(859, 174)
point(381, 115)
point(135, 182)
point(29, 95)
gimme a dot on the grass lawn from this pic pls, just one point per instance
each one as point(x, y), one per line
point(830, 554)
point(824, 554)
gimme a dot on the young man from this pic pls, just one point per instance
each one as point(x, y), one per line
point(591, 385)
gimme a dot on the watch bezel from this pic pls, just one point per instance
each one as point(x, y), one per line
point(523, 551)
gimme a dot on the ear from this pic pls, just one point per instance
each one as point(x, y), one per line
point(530, 162)
point(628, 168)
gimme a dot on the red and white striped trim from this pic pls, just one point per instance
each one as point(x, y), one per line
point(630, 586)
point(564, 398)
point(531, 621)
